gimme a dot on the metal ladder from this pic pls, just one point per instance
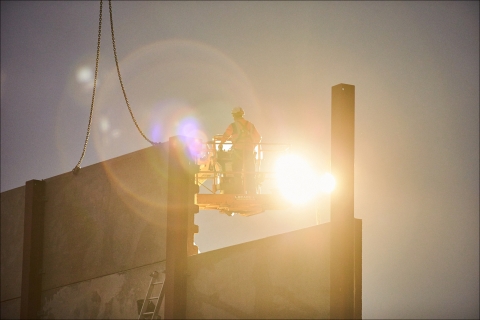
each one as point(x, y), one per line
point(144, 312)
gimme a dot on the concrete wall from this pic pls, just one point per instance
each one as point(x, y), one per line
point(104, 233)
point(284, 277)
point(12, 212)
point(281, 277)
point(111, 217)
point(104, 230)
point(112, 296)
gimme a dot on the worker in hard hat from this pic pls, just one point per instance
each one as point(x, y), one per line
point(244, 137)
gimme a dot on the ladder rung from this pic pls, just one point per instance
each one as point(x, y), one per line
point(153, 298)
point(147, 313)
point(157, 283)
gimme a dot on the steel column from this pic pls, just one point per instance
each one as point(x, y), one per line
point(180, 226)
point(342, 252)
point(30, 301)
point(358, 269)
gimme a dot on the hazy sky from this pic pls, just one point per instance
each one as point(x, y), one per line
point(415, 67)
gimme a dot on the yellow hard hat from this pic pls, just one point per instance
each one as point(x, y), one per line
point(237, 110)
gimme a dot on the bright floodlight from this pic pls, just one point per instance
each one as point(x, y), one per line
point(298, 182)
point(327, 182)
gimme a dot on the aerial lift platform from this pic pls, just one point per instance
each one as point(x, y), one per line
point(228, 192)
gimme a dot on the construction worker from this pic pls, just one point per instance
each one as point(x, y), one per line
point(244, 137)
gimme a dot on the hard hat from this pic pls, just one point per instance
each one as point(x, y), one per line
point(238, 110)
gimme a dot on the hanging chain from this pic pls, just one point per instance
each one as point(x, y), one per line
point(120, 76)
point(77, 167)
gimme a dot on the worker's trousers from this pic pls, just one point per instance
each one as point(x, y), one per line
point(244, 166)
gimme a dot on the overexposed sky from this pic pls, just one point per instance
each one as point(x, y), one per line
point(415, 67)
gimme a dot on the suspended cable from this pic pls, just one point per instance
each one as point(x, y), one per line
point(120, 76)
point(77, 167)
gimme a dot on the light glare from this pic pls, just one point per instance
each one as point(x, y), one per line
point(327, 182)
point(296, 180)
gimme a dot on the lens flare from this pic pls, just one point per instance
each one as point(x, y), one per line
point(196, 148)
point(156, 132)
point(104, 124)
point(187, 127)
point(84, 75)
point(175, 87)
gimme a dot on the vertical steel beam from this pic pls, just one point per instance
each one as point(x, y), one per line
point(180, 206)
point(358, 269)
point(342, 251)
point(30, 301)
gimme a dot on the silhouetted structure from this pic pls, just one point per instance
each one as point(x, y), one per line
point(345, 259)
point(84, 245)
